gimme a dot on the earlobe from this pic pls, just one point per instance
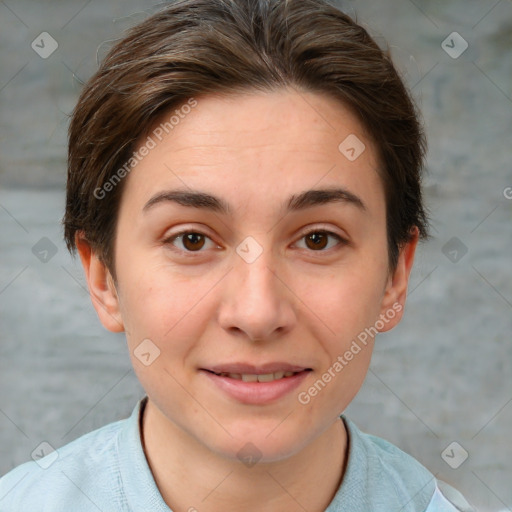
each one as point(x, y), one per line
point(101, 286)
point(393, 302)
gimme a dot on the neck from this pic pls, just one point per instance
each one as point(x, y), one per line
point(307, 480)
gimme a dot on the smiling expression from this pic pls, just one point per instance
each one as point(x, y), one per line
point(251, 252)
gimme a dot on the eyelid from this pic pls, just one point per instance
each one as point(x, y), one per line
point(323, 229)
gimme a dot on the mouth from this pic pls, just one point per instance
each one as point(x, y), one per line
point(262, 377)
point(256, 385)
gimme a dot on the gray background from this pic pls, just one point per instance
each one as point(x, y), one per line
point(443, 375)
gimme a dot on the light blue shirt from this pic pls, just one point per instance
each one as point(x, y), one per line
point(106, 470)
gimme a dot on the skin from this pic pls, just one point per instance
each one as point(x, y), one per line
point(294, 303)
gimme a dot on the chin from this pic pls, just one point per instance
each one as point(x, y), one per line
point(260, 441)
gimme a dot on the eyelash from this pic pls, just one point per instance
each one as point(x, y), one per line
point(168, 241)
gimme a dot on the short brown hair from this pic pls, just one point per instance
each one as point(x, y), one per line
point(195, 47)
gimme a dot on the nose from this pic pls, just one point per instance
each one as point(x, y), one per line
point(257, 302)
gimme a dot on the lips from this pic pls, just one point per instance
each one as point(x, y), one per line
point(252, 377)
point(256, 385)
point(250, 369)
point(268, 372)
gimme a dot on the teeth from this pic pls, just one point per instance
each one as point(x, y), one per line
point(250, 378)
point(267, 377)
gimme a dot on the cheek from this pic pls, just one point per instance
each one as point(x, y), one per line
point(348, 313)
point(346, 301)
point(167, 312)
point(159, 304)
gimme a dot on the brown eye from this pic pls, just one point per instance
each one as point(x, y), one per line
point(318, 240)
point(191, 241)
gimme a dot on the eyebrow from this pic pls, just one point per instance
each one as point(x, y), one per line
point(296, 202)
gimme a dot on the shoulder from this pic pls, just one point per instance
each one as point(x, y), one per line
point(390, 472)
point(64, 477)
point(448, 499)
point(381, 477)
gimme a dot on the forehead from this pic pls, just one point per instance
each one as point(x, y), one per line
point(257, 146)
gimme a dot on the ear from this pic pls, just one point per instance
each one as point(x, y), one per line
point(101, 286)
point(393, 302)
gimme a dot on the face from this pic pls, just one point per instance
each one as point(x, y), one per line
point(233, 290)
